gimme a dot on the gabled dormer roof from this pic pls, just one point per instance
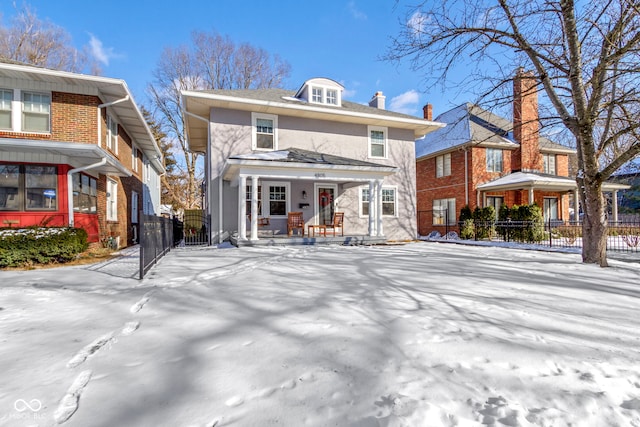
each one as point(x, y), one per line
point(471, 124)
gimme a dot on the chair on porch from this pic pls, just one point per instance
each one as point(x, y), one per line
point(338, 222)
point(295, 221)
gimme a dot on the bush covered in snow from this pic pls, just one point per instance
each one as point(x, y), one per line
point(40, 245)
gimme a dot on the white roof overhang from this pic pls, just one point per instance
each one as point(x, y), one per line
point(198, 104)
point(71, 153)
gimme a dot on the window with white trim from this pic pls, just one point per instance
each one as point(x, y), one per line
point(317, 95)
point(278, 196)
point(377, 142)
point(265, 131)
point(6, 98)
point(444, 211)
point(134, 207)
point(389, 201)
point(112, 134)
point(134, 159)
point(36, 112)
point(443, 165)
point(494, 160)
point(112, 200)
point(332, 96)
point(549, 164)
point(85, 193)
point(550, 210)
point(248, 199)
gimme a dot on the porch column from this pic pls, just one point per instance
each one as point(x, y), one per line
point(531, 195)
point(242, 208)
point(614, 205)
point(576, 206)
point(372, 208)
point(379, 230)
point(254, 208)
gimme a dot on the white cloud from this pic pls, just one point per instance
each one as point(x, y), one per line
point(355, 12)
point(405, 102)
point(100, 53)
point(349, 93)
point(418, 22)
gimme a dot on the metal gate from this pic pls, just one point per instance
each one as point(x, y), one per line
point(195, 227)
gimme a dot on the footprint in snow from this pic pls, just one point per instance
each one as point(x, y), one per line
point(138, 305)
point(69, 403)
point(129, 328)
point(633, 404)
point(89, 349)
point(234, 401)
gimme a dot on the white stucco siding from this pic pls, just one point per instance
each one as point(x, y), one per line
point(231, 134)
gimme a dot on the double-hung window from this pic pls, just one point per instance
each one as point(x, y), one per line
point(248, 199)
point(277, 199)
point(112, 200)
point(443, 165)
point(85, 194)
point(265, 128)
point(6, 98)
point(134, 159)
point(112, 134)
point(389, 201)
point(444, 211)
point(494, 160)
point(549, 163)
point(36, 112)
point(377, 142)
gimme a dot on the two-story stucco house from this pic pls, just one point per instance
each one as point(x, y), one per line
point(74, 150)
point(480, 159)
point(272, 151)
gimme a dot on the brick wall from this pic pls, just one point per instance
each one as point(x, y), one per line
point(74, 117)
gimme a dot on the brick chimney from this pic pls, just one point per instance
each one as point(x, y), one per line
point(427, 112)
point(526, 123)
point(377, 101)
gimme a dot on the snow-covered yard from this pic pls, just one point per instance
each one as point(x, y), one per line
point(422, 334)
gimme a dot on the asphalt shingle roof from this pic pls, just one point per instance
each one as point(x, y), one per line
point(297, 155)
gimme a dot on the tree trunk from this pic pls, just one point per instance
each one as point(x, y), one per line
point(594, 226)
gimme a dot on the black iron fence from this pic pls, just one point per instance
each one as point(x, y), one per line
point(623, 236)
point(156, 240)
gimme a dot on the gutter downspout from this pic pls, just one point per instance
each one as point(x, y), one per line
point(106, 104)
point(466, 178)
point(70, 185)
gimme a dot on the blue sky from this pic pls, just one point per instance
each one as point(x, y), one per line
point(338, 39)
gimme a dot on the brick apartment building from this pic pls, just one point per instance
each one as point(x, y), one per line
point(74, 150)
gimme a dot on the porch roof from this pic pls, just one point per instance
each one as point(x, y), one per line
point(295, 163)
point(71, 153)
point(540, 181)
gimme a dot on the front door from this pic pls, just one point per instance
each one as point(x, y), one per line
point(325, 197)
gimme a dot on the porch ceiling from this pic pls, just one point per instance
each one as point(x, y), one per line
point(76, 155)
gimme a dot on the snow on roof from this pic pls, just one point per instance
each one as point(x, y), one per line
point(456, 132)
point(528, 178)
point(267, 155)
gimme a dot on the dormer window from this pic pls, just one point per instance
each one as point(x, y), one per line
point(321, 91)
point(316, 95)
point(332, 96)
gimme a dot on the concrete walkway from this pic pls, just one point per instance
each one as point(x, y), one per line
point(125, 264)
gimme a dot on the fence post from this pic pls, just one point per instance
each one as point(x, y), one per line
point(550, 235)
point(141, 244)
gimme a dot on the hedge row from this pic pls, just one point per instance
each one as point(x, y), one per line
point(40, 245)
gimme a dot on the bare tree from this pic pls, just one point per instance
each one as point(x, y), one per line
point(211, 62)
point(32, 41)
point(585, 56)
